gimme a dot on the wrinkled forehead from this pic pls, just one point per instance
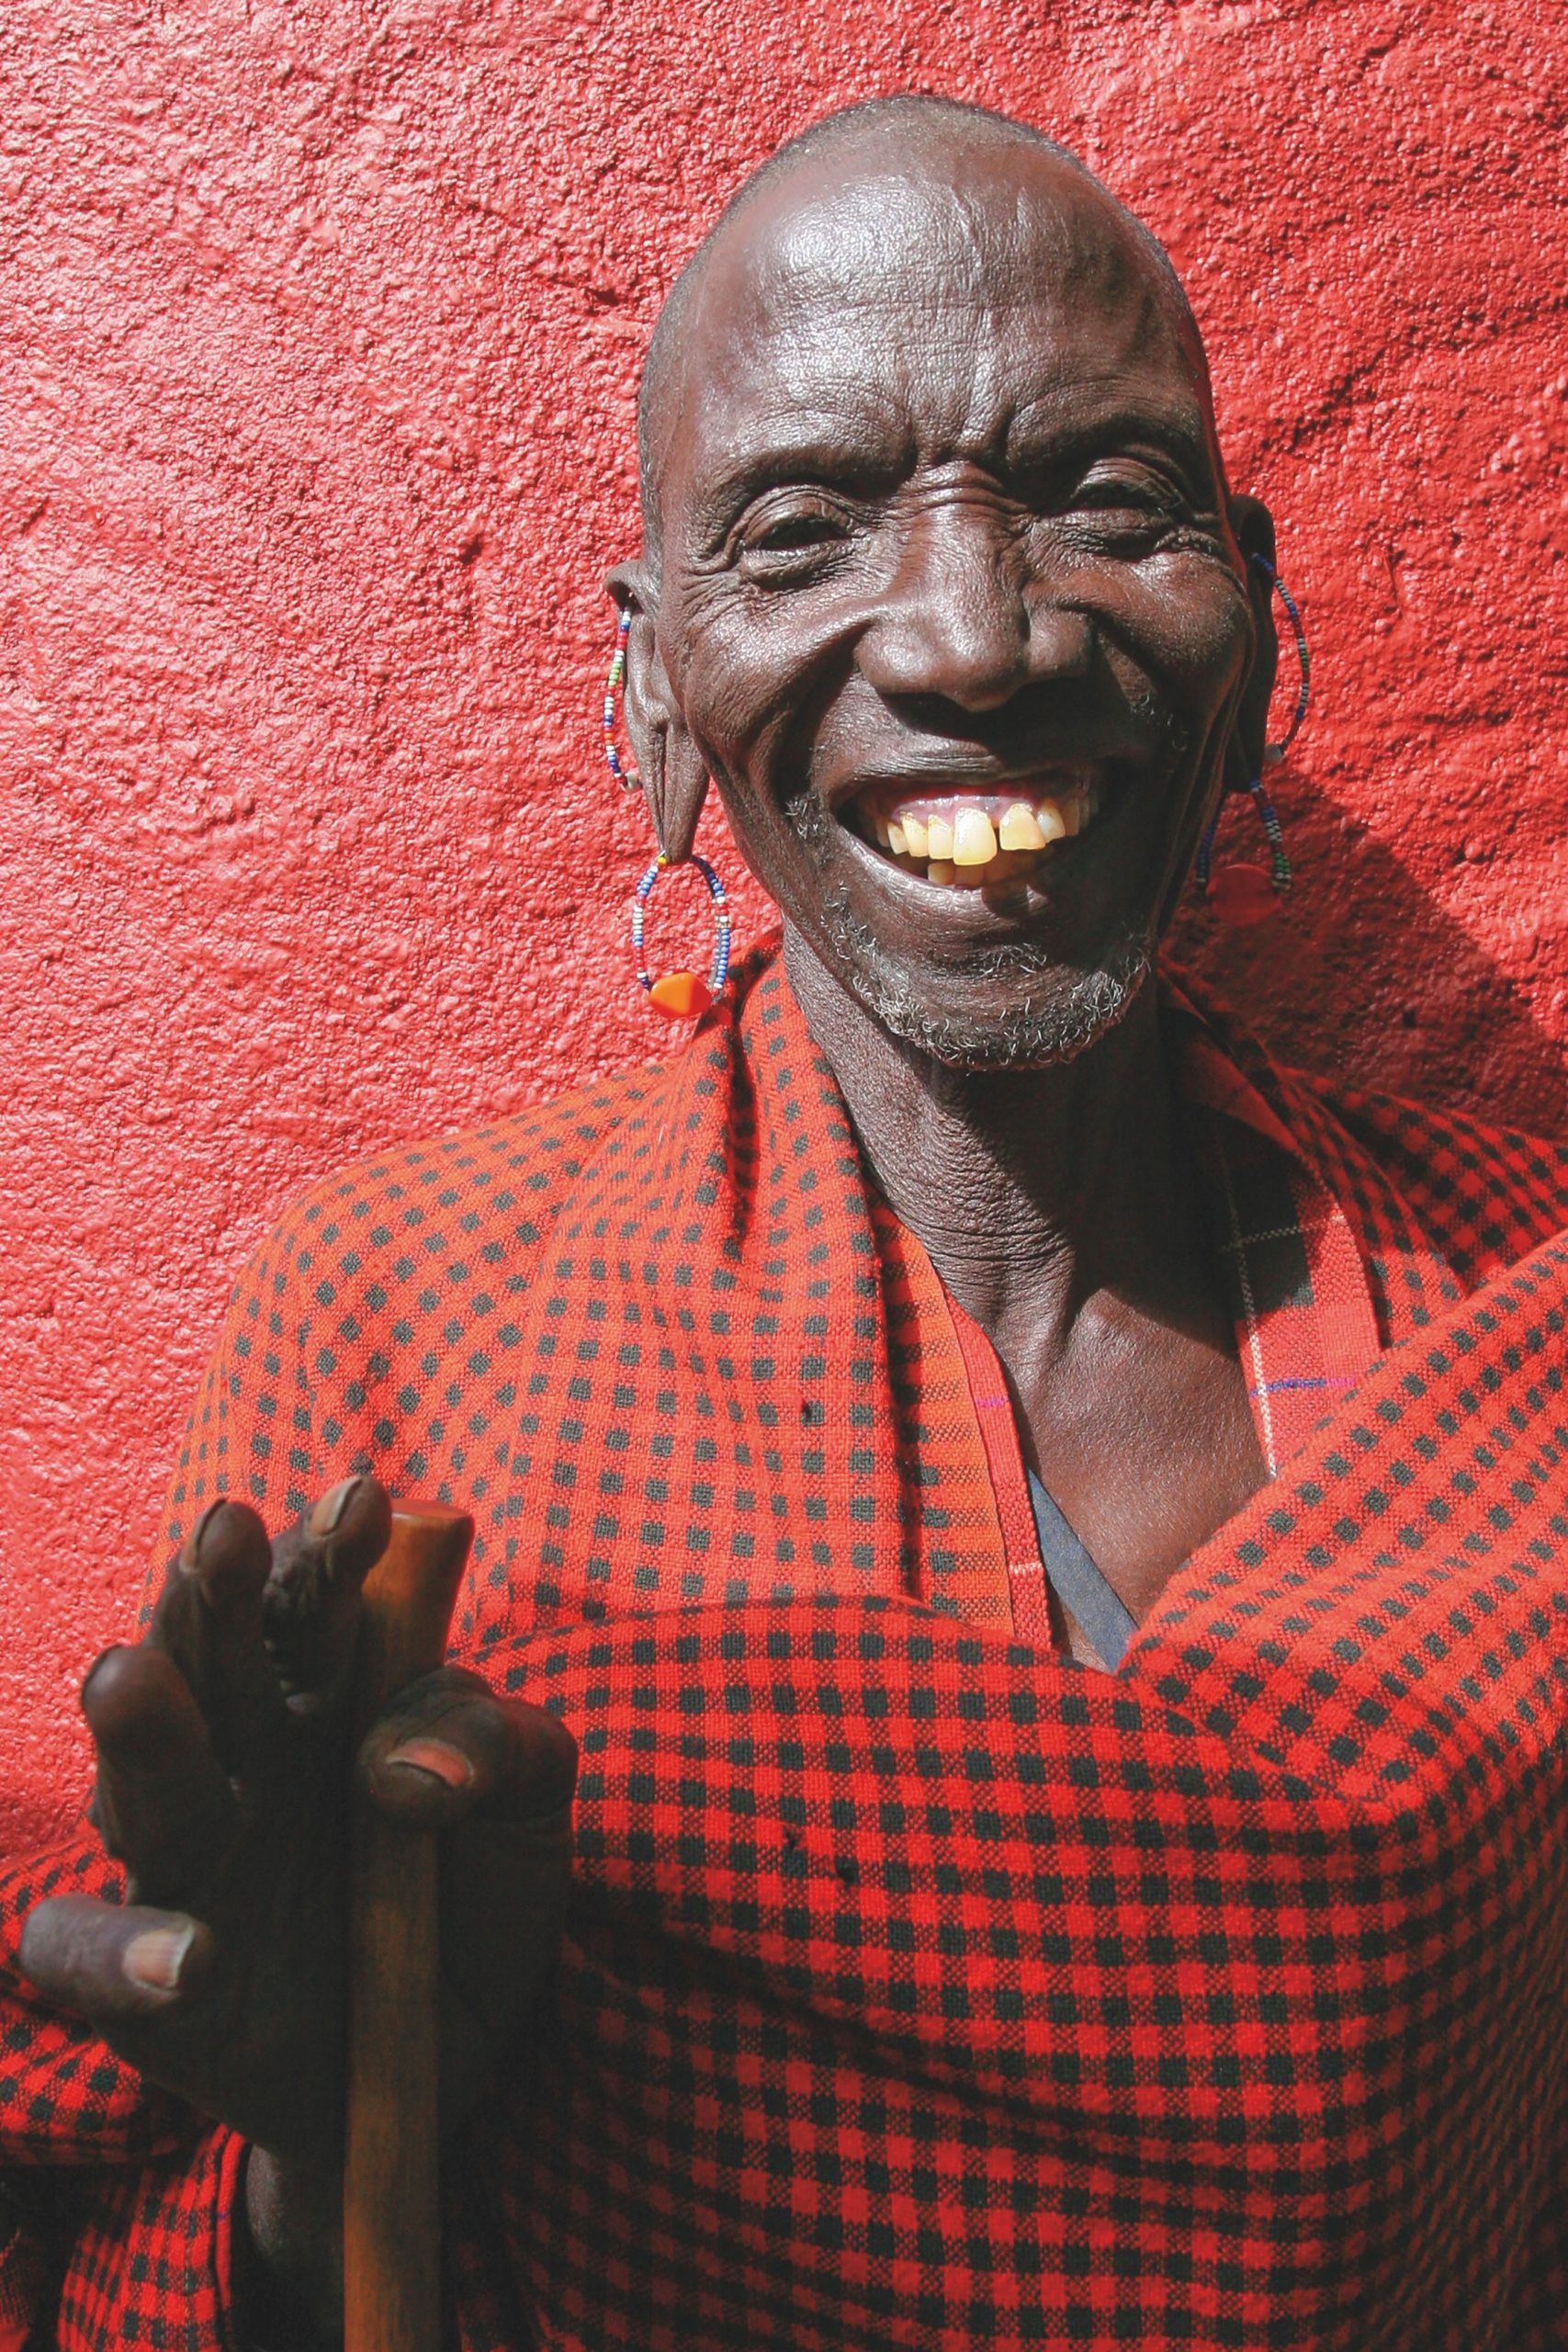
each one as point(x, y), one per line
point(954, 316)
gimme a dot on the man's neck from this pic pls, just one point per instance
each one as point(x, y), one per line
point(1033, 1190)
point(1061, 1208)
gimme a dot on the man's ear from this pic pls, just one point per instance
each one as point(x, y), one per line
point(1254, 529)
point(674, 778)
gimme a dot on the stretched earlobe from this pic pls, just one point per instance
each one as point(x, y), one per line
point(673, 781)
point(675, 796)
point(1245, 894)
point(1254, 529)
point(668, 765)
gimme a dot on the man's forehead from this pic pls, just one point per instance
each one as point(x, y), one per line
point(997, 236)
point(834, 288)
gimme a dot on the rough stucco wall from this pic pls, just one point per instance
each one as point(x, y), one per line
point(315, 438)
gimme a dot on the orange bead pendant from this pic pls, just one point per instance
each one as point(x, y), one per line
point(681, 996)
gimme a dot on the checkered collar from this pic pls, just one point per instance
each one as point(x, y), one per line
point(1323, 1263)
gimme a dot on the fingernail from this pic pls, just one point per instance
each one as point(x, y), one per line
point(331, 1507)
point(155, 1958)
point(443, 1762)
point(190, 1550)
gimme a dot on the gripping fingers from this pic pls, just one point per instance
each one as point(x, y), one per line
point(208, 1621)
point(311, 1605)
point(108, 1961)
point(449, 1749)
point(163, 1805)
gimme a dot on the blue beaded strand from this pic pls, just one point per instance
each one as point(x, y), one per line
point(628, 778)
point(1276, 752)
point(1279, 860)
point(718, 969)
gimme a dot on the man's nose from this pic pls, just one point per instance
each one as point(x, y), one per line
point(964, 619)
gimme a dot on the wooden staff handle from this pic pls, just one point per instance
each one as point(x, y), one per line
point(392, 2216)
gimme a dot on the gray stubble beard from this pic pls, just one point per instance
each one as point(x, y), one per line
point(1079, 1011)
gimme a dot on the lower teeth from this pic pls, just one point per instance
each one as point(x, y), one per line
point(1008, 866)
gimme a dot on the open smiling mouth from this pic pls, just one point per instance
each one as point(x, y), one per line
point(968, 839)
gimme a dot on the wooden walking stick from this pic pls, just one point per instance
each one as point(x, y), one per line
point(392, 2218)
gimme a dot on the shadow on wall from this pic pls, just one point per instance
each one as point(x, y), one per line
point(1363, 978)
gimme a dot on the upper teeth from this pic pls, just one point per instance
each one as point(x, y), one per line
point(962, 836)
point(1022, 828)
point(974, 841)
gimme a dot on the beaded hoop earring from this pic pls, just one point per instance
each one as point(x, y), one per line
point(614, 685)
point(680, 996)
point(1245, 894)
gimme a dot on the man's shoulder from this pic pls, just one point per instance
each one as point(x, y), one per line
point(1492, 1191)
point(484, 1193)
point(399, 1289)
point(1484, 1192)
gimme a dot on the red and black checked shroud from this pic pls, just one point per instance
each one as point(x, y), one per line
point(923, 1988)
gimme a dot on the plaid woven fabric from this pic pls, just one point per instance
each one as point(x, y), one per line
point(924, 1988)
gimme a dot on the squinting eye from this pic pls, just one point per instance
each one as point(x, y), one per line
point(791, 531)
point(1139, 494)
point(780, 537)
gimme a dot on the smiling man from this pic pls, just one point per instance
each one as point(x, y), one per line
point(1047, 1529)
point(939, 541)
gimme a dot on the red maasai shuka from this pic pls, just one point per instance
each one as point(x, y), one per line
point(923, 1987)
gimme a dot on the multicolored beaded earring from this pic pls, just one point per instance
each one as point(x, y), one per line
point(1245, 894)
point(681, 996)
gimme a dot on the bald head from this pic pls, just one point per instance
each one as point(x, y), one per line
point(962, 187)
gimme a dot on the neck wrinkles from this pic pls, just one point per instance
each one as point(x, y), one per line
point(1033, 1190)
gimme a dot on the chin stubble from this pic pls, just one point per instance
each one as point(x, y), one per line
point(1073, 1012)
point(1062, 1012)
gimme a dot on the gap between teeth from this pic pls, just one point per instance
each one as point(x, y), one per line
point(962, 839)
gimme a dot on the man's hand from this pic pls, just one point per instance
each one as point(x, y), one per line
point(224, 1769)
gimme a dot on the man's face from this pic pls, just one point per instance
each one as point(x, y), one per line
point(949, 603)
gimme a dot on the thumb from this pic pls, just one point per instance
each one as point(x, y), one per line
point(109, 1961)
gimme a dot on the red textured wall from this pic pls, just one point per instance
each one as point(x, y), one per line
point(316, 436)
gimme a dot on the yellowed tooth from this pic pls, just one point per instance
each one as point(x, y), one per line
point(914, 839)
point(1052, 823)
point(898, 840)
point(973, 838)
point(939, 870)
point(1072, 811)
point(939, 840)
point(1018, 829)
point(881, 824)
